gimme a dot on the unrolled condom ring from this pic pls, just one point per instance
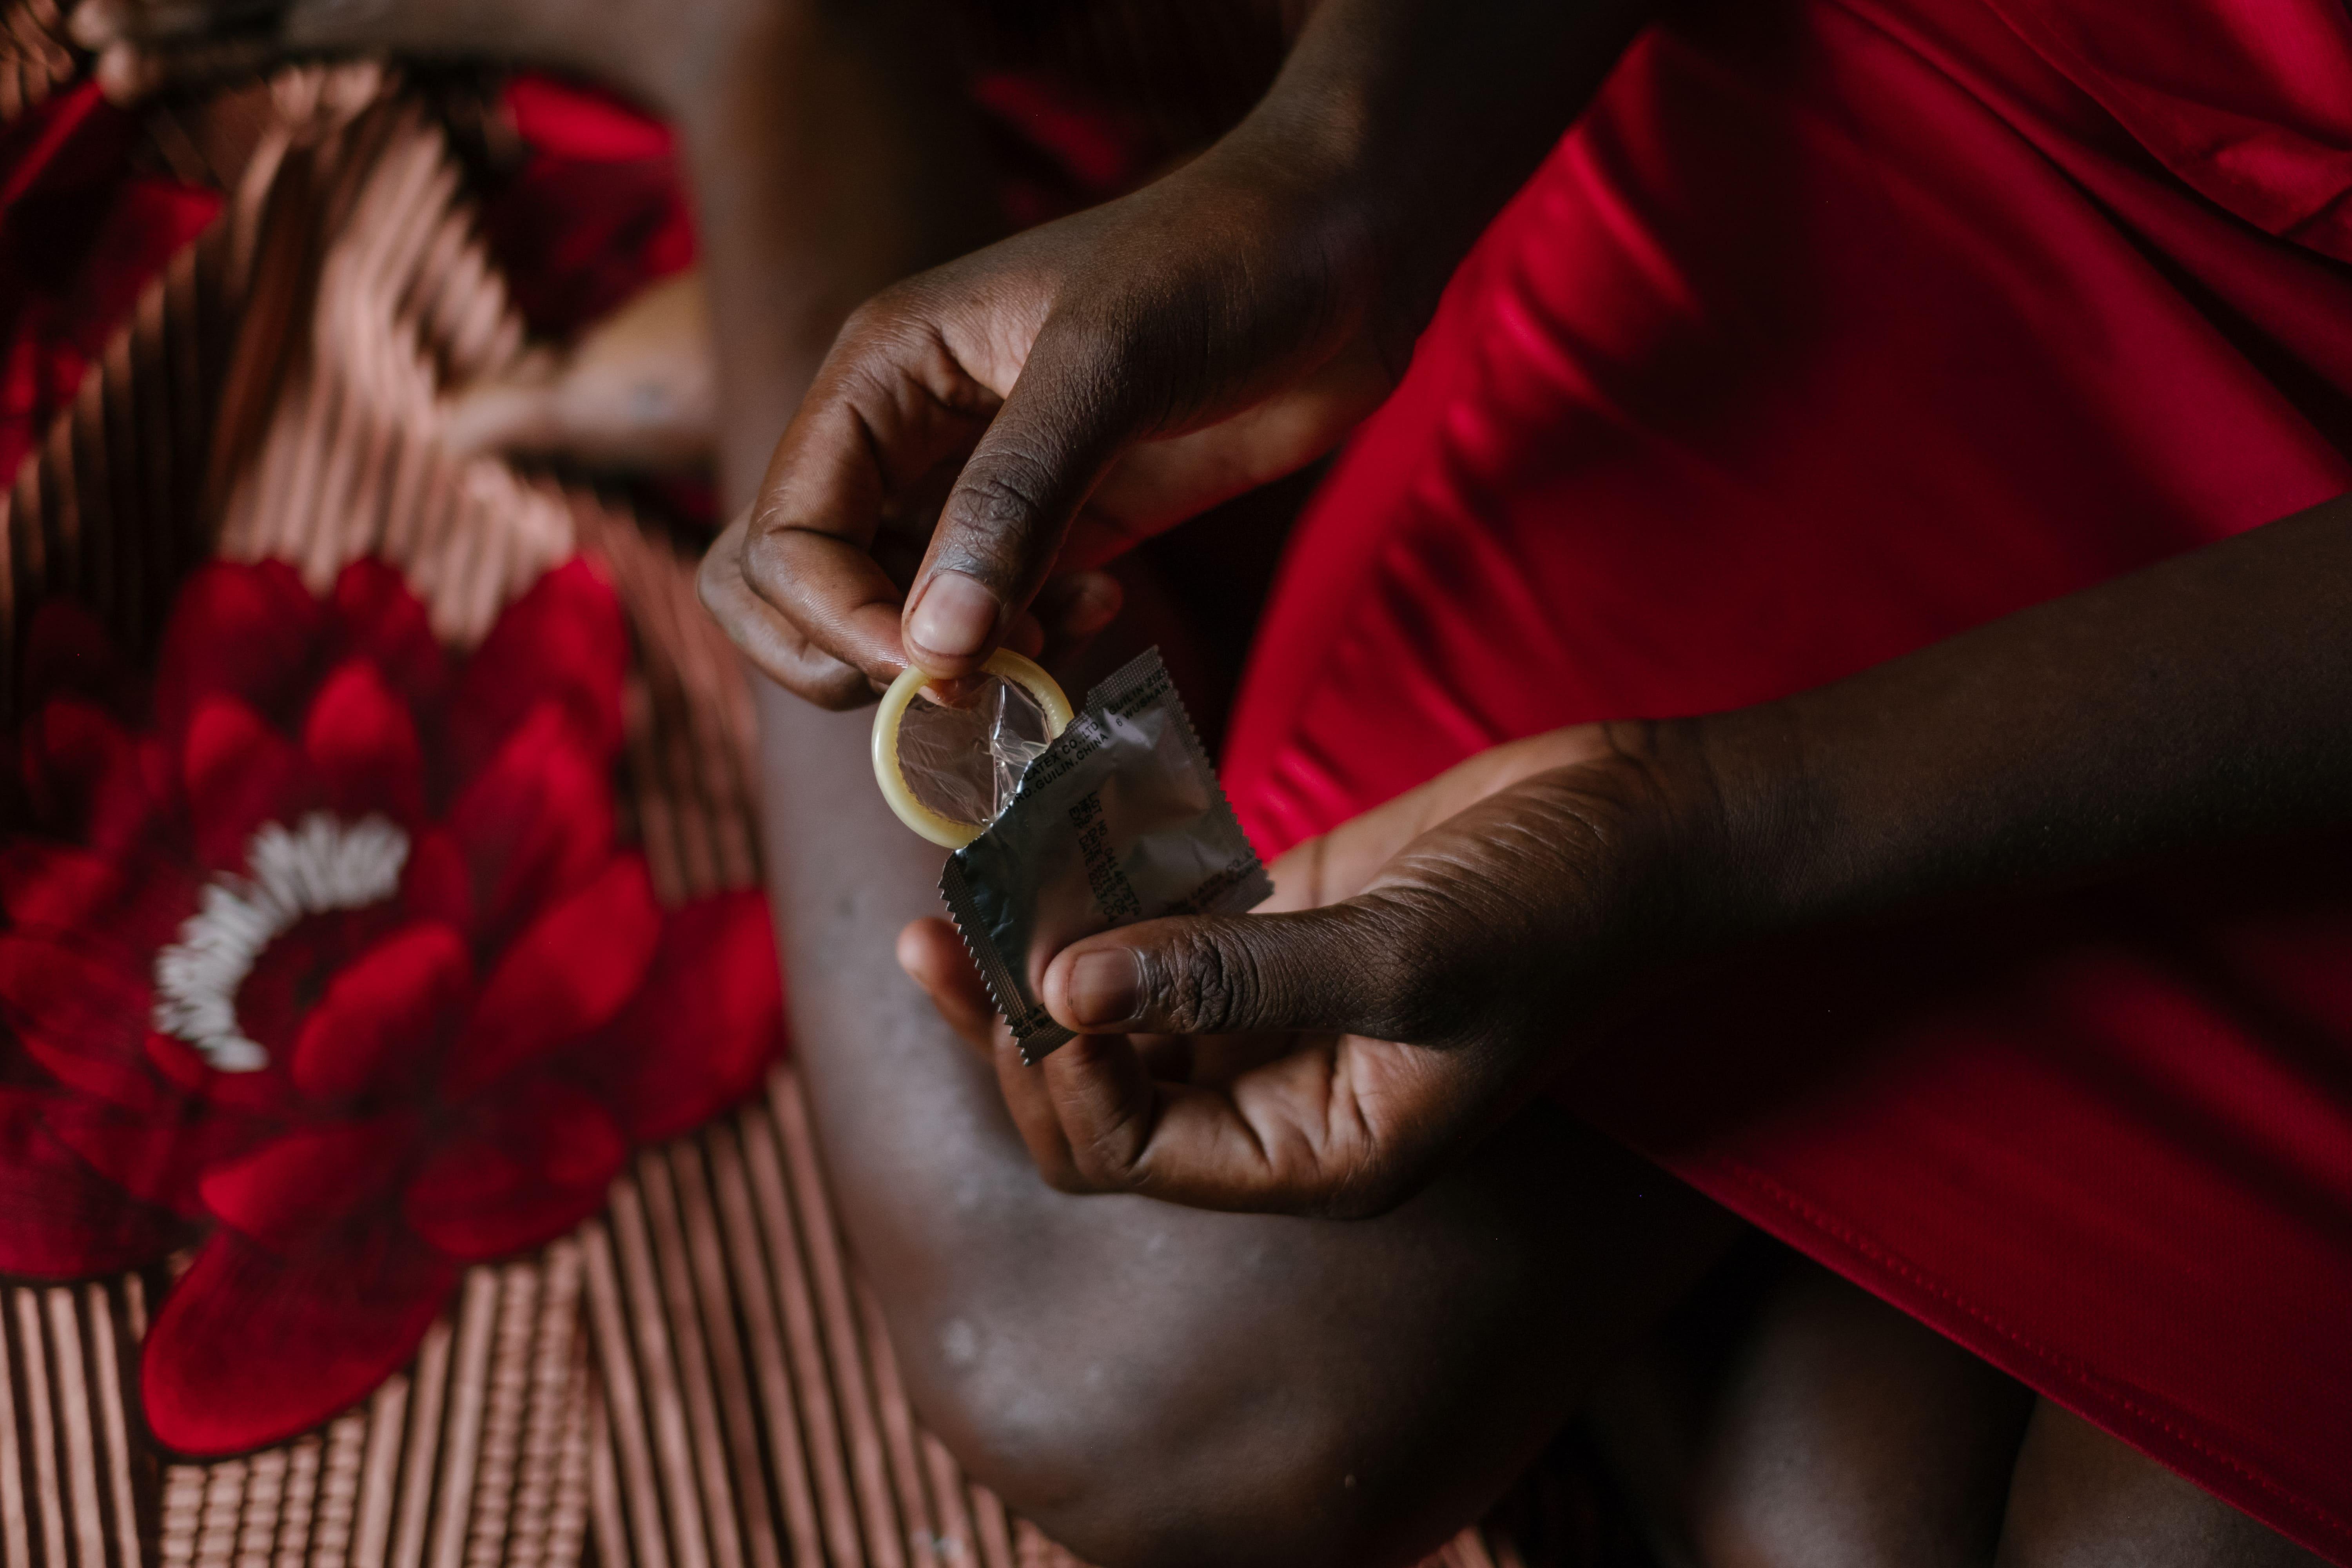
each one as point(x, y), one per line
point(946, 831)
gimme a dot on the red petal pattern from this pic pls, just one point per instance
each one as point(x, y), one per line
point(133, 905)
point(55, 884)
point(240, 773)
point(565, 642)
point(701, 1033)
point(564, 976)
point(536, 824)
point(155, 1160)
point(378, 618)
point(362, 749)
point(251, 1348)
point(86, 776)
point(247, 631)
point(286, 1192)
point(436, 884)
point(385, 1018)
point(82, 1018)
point(344, 1196)
point(259, 1094)
point(59, 1219)
point(528, 1168)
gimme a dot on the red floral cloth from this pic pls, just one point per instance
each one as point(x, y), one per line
point(457, 1071)
point(596, 211)
point(1840, 326)
point(80, 234)
point(454, 1063)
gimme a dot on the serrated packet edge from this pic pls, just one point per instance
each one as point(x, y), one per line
point(1034, 1029)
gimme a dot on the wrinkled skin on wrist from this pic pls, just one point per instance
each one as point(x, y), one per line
point(1016, 418)
point(1419, 973)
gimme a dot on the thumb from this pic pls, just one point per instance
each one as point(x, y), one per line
point(1065, 418)
point(1346, 967)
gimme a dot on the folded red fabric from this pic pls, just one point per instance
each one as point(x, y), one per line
point(1835, 328)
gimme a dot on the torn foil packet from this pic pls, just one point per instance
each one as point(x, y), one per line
point(1120, 819)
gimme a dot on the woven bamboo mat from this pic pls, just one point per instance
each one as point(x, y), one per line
point(695, 1378)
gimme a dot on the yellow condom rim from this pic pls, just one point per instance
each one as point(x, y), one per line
point(945, 831)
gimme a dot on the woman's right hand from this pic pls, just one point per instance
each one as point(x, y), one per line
point(986, 434)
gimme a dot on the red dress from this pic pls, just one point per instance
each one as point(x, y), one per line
point(1837, 327)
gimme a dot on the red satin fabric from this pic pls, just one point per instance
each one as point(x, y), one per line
point(1838, 326)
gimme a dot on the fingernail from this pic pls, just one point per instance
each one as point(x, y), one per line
point(956, 617)
point(1104, 988)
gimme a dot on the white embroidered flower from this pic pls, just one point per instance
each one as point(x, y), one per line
point(320, 865)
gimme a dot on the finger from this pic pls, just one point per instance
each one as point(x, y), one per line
point(1029, 1098)
point(1065, 418)
point(1353, 967)
point(833, 593)
point(1104, 1106)
point(771, 643)
point(1333, 1127)
point(887, 408)
point(934, 958)
point(1073, 606)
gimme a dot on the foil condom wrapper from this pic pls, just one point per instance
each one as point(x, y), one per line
point(1120, 819)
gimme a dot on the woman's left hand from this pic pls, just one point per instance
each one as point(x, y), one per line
point(1418, 973)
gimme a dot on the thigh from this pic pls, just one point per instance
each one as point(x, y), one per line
point(1784, 1419)
point(1164, 1385)
point(1846, 1434)
point(2081, 1499)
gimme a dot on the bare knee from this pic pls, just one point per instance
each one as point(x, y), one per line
point(1847, 1436)
point(2083, 1500)
point(1169, 1386)
point(1132, 1462)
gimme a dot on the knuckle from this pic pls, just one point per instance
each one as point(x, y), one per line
point(1002, 494)
point(1102, 1166)
point(1412, 991)
point(759, 560)
point(1208, 982)
point(841, 692)
point(879, 318)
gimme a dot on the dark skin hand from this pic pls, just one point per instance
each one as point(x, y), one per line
point(1424, 968)
point(1431, 962)
point(985, 434)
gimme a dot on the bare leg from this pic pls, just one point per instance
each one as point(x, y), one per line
point(1832, 1431)
point(2083, 1499)
point(1842, 1434)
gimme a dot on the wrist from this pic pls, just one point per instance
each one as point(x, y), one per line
point(1735, 817)
point(1419, 129)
